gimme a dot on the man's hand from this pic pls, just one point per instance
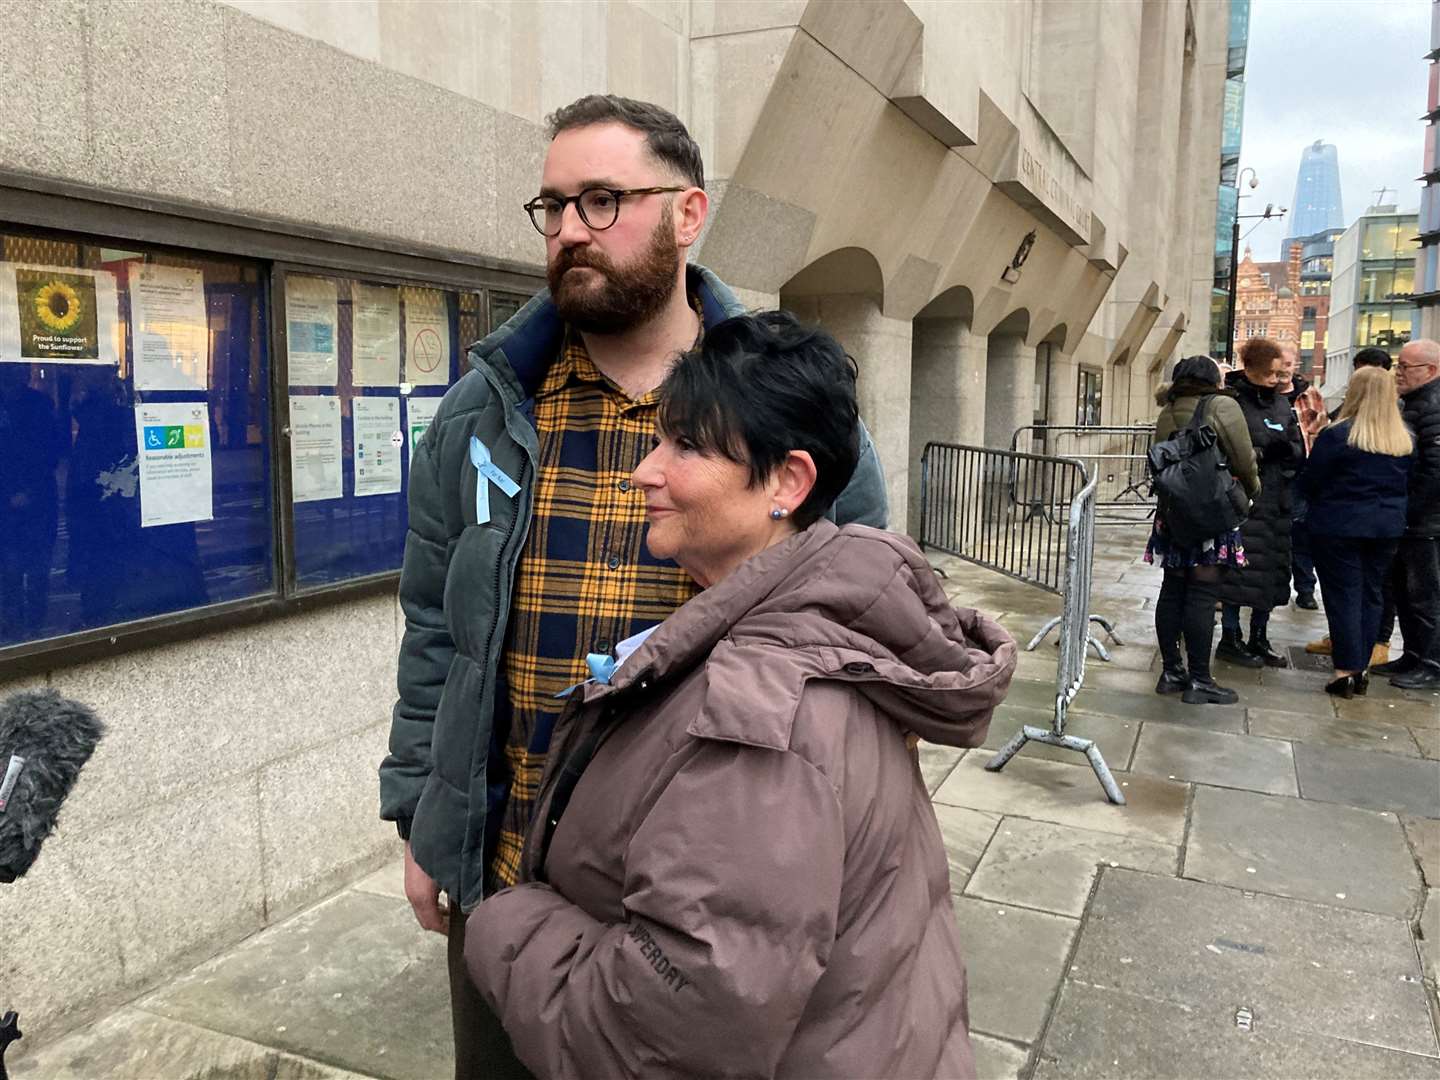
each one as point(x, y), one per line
point(424, 896)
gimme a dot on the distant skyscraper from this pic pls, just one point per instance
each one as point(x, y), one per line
point(1317, 205)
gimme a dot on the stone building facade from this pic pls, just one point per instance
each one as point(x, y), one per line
point(992, 204)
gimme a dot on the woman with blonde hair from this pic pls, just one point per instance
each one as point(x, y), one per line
point(1356, 482)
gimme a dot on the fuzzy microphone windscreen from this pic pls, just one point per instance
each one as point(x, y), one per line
point(44, 741)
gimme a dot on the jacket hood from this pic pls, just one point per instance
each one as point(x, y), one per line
point(521, 350)
point(852, 604)
point(1168, 392)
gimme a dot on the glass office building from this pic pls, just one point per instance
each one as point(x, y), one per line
point(1317, 205)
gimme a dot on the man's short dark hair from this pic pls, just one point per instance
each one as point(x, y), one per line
point(666, 138)
point(1373, 357)
point(760, 386)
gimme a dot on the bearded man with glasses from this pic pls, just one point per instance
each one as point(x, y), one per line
point(1415, 573)
point(525, 554)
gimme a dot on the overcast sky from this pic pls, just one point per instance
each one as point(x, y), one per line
point(1351, 72)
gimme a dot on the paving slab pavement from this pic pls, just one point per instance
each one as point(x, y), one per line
point(1068, 795)
point(1268, 843)
point(1306, 969)
point(1178, 752)
point(1019, 955)
point(936, 762)
point(1321, 730)
point(1376, 781)
point(1039, 864)
point(135, 1045)
point(328, 985)
point(966, 834)
point(1100, 1032)
point(996, 1059)
point(1424, 837)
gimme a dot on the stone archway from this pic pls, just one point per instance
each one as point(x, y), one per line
point(844, 291)
point(947, 382)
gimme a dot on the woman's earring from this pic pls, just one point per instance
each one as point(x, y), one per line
point(779, 513)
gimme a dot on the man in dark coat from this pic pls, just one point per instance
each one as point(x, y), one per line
point(1416, 569)
point(1264, 583)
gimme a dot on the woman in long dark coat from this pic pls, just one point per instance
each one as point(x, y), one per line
point(1264, 583)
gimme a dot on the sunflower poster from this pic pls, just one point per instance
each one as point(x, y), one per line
point(66, 315)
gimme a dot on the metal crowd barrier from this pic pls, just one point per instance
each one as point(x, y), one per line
point(980, 505)
point(1114, 456)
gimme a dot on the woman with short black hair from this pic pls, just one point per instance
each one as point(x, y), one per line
point(734, 867)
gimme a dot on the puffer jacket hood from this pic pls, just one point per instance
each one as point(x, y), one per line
point(856, 604)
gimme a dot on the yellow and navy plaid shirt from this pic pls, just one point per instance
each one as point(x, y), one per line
point(585, 580)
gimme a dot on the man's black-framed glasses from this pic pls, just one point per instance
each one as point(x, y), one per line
point(599, 207)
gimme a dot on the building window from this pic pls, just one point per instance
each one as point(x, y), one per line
point(1087, 398)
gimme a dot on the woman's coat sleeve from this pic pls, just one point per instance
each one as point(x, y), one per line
point(731, 891)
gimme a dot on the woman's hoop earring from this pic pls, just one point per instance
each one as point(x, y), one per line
point(779, 512)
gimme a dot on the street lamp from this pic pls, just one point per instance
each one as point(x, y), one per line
point(1270, 212)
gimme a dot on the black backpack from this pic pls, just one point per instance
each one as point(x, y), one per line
point(1197, 496)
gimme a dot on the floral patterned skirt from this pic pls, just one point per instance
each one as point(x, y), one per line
point(1223, 550)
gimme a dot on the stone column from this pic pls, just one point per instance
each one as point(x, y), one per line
point(947, 393)
point(881, 348)
point(1009, 389)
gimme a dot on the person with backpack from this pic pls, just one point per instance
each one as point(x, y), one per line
point(1194, 567)
point(1280, 451)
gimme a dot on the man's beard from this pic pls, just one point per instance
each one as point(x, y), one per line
point(626, 297)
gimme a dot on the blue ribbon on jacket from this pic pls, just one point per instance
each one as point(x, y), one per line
point(487, 473)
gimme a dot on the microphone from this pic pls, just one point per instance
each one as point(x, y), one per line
point(45, 739)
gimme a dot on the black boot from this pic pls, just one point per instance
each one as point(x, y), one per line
point(1260, 649)
point(1205, 691)
point(1173, 678)
point(1233, 651)
point(1306, 601)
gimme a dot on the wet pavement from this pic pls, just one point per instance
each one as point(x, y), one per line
point(1266, 905)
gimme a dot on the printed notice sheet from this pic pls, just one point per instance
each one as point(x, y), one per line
point(419, 414)
point(315, 448)
point(60, 314)
point(427, 338)
point(175, 474)
point(310, 322)
point(377, 336)
point(169, 332)
point(377, 445)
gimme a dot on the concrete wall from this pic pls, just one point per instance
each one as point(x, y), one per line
point(235, 784)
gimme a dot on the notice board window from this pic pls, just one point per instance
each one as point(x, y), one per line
point(134, 408)
point(208, 436)
point(367, 363)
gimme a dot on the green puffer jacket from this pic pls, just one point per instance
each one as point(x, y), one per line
point(457, 581)
point(1224, 415)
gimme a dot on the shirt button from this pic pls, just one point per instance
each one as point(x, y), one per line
point(614, 562)
point(624, 485)
point(602, 646)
